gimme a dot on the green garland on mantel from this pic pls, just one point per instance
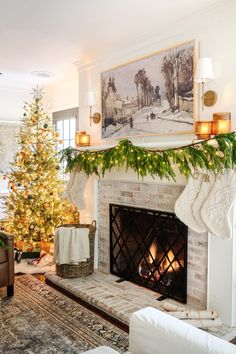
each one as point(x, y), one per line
point(214, 155)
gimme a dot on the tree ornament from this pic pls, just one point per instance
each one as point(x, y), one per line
point(220, 154)
point(213, 142)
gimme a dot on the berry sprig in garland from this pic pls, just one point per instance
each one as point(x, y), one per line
point(214, 155)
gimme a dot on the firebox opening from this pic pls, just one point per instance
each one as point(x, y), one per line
point(149, 248)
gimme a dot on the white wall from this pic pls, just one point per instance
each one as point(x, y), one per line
point(12, 102)
point(214, 30)
point(63, 94)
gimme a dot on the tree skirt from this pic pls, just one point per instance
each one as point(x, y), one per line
point(39, 319)
point(24, 268)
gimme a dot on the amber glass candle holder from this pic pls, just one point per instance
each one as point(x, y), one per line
point(221, 123)
point(82, 139)
point(203, 129)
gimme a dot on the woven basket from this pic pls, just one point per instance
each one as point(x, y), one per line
point(83, 268)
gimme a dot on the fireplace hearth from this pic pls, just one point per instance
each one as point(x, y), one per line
point(149, 248)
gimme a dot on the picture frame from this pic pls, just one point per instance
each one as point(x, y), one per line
point(154, 95)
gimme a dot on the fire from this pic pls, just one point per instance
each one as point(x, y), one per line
point(168, 262)
point(152, 253)
point(147, 267)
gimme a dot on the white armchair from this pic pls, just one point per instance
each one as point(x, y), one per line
point(154, 332)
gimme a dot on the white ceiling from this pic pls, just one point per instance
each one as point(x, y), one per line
point(51, 35)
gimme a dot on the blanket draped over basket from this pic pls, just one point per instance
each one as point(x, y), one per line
point(83, 268)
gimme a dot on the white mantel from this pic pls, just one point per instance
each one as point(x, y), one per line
point(149, 145)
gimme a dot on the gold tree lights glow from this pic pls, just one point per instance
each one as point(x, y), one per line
point(214, 154)
point(35, 206)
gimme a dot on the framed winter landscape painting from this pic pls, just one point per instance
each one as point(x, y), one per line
point(151, 96)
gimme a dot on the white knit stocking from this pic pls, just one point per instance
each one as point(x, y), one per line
point(77, 190)
point(205, 189)
point(216, 210)
point(183, 205)
point(69, 185)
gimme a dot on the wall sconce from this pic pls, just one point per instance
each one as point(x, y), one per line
point(204, 73)
point(221, 123)
point(82, 139)
point(90, 101)
point(203, 129)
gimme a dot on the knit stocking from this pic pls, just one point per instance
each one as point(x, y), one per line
point(205, 189)
point(69, 185)
point(77, 190)
point(183, 205)
point(216, 210)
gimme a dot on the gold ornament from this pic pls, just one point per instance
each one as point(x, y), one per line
point(220, 154)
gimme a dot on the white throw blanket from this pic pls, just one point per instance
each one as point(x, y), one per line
point(71, 245)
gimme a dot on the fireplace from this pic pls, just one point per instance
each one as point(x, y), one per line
point(149, 248)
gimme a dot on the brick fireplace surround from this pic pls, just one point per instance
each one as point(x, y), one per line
point(158, 197)
point(211, 277)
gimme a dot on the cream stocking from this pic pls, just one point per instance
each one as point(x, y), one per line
point(216, 210)
point(183, 205)
point(69, 185)
point(205, 189)
point(77, 190)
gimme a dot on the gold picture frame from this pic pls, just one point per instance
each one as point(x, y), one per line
point(153, 95)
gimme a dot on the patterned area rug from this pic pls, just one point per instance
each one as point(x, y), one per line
point(39, 319)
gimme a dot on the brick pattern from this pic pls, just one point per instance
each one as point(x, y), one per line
point(158, 197)
point(118, 300)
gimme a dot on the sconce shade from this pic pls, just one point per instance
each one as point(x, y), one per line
point(221, 123)
point(90, 99)
point(204, 71)
point(82, 139)
point(203, 129)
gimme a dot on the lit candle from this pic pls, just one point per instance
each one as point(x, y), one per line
point(221, 123)
point(203, 129)
point(82, 139)
point(77, 136)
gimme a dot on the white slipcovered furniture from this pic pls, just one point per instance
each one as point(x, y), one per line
point(154, 332)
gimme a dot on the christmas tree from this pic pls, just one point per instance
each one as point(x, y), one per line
point(35, 206)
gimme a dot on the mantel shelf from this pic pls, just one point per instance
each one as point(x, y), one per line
point(150, 145)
